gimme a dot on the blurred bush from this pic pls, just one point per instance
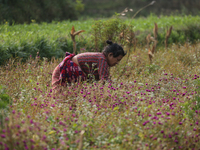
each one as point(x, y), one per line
point(21, 11)
point(106, 8)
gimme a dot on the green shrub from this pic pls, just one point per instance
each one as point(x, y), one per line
point(21, 11)
point(4, 98)
point(109, 30)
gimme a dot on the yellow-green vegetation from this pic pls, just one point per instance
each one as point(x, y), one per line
point(53, 39)
point(151, 106)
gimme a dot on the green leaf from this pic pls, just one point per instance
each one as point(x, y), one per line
point(74, 125)
point(116, 108)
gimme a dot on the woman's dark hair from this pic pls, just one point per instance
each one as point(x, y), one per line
point(113, 48)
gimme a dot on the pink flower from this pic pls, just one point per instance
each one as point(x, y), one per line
point(3, 135)
point(31, 121)
point(13, 111)
point(155, 138)
point(159, 113)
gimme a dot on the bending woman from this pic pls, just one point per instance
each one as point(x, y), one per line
point(84, 66)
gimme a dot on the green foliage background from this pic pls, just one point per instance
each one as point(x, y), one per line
point(53, 39)
point(106, 8)
point(24, 11)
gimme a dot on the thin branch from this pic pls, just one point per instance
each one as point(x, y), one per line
point(143, 8)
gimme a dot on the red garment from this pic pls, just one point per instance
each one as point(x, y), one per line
point(67, 72)
point(94, 64)
point(91, 65)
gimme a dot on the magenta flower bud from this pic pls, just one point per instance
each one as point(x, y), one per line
point(76, 131)
point(44, 137)
point(151, 136)
point(3, 135)
point(31, 121)
point(18, 126)
point(159, 113)
point(180, 123)
point(155, 138)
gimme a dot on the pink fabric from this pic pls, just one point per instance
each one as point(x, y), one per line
point(67, 72)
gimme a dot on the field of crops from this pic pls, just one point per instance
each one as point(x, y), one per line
point(53, 39)
point(148, 106)
point(18, 34)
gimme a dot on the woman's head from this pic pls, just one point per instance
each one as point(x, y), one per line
point(113, 52)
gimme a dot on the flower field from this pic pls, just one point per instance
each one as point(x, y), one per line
point(147, 107)
point(150, 105)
